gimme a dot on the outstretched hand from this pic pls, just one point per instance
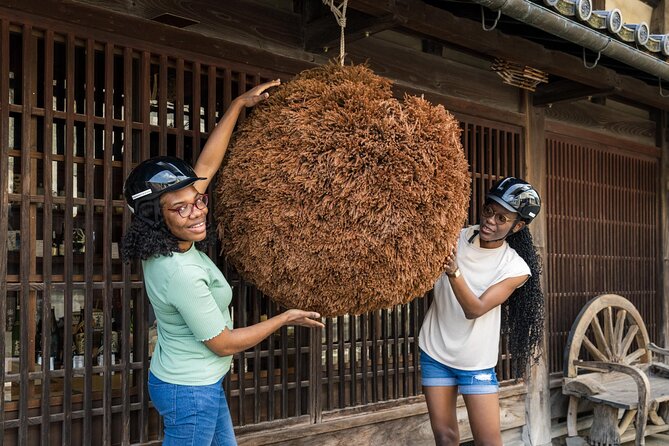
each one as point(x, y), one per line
point(303, 318)
point(451, 263)
point(257, 94)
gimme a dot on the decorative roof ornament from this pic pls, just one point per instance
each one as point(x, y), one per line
point(521, 76)
point(612, 21)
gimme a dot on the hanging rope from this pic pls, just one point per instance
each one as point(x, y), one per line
point(494, 25)
point(340, 15)
point(659, 79)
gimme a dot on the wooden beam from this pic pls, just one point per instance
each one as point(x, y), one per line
point(565, 90)
point(324, 34)
point(128, 30)
point(245, 19)
point(419, 17)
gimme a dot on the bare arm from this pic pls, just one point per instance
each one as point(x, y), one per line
point(229, 342)
point(478, 306)
point(214, 150)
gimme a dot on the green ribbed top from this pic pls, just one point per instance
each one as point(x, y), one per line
point(190, 298)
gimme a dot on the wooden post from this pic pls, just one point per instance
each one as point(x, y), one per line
point(537, 429)
point(659, 21)
point(662, 143)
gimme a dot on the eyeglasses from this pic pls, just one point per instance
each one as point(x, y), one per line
point(187, 209)
point(488, 211)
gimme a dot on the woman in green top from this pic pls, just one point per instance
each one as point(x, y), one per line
point(188, 293)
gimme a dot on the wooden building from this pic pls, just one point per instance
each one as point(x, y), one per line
point(89, 88)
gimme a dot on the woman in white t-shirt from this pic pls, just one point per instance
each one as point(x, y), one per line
point(491, 283)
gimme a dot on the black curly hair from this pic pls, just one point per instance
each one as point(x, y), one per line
point(523, 312)
point(143, 241)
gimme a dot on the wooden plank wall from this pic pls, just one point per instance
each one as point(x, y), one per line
point(603, 232)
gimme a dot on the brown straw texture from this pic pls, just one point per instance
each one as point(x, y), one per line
point(338, 198)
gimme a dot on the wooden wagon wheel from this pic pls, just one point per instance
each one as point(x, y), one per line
point(608, 329)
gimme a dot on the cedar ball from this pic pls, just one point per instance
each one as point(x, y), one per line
point(337, 197)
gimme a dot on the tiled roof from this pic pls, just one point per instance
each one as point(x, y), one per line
point(612, 22)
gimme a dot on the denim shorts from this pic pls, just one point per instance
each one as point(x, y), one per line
point(192, 415)
point(469, 382)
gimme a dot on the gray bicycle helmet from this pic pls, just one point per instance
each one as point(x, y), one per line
point(516, 195)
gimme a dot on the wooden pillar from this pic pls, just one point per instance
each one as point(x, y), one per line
point(659, 21)
point(537, 429)
point(662, 141)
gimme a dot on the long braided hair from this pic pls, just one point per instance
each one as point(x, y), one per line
point(523, 312)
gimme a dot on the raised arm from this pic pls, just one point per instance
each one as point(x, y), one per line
point(214, 150)
point(472, 305)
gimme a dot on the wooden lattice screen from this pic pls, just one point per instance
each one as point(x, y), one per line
point(77, 112)
point(494, 151)
point(602, 207)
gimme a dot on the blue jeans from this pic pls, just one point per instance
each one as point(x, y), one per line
point(469, 382)
point(193, 415)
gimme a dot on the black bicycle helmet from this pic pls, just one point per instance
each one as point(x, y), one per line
point(152, 178)
point(518, 196)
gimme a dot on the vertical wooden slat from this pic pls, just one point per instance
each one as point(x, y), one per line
point(196, 112)
point(211, 99)
point(107, 227)
point(385, 366)
point(340, 360)
point(128, 81)
point(329, 363)
point(315, 373)
point(47, 322)
point(25, 258)
point(364, 344)
point(255, 314)
point(240, 320)
point(270, 368)
point(353, 357)
point(405, 350)
point(89, 191)
point(375, 317)
point(4, 200)
point(179, 108)
point(284, 372)
point(298, 372)
point(26, 101)
point(396, 352)
point(67, 242)
point(142, 352)
point(162, 105)
point(241, 88)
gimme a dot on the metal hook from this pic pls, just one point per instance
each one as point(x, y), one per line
point(585, 63)
point(494, 25)
point(659, 81)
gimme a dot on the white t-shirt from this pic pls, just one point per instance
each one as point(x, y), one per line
point(447, 335)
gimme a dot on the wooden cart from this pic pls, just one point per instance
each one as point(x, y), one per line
point(609, 363)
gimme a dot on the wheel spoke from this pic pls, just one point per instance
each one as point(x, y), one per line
point(629, 338)
point(608, 329)
point(600, 338)
point(621, 316)
point(636, 354)
point(594, 351)
point(602, 342)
